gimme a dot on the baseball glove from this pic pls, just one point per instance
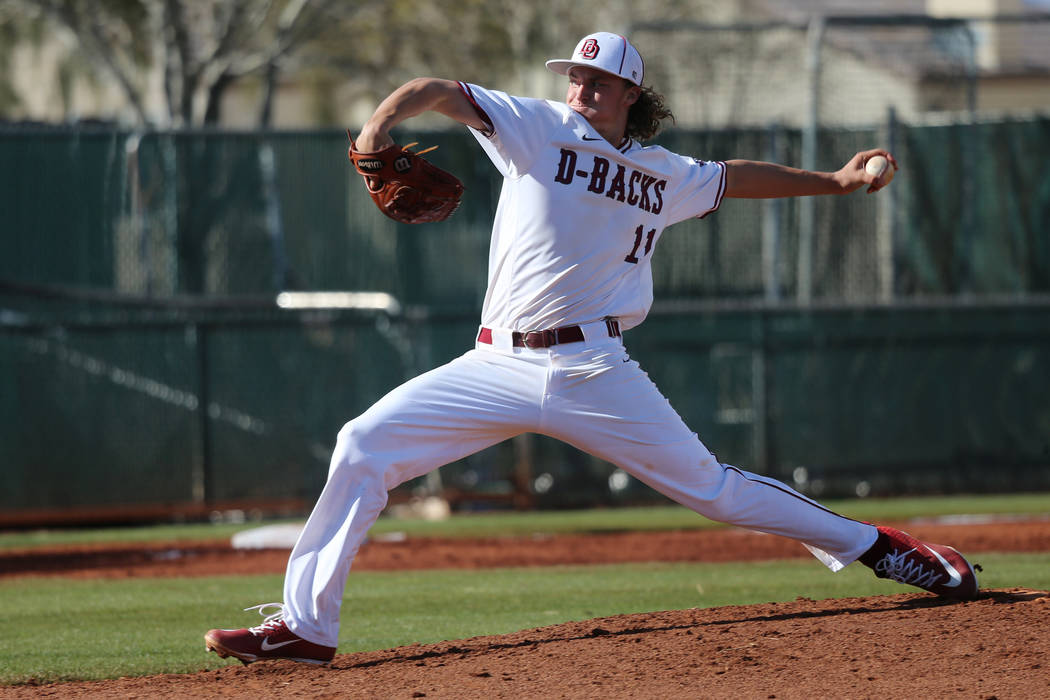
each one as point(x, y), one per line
point(406, 187)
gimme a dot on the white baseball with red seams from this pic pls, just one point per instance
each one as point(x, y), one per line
point(577, 224)
point(877, 165)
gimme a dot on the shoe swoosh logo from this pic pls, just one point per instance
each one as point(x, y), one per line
point(592, 138)
point(266, 646)
point(954, 577)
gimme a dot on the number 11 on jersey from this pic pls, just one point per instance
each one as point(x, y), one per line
point(632, 256)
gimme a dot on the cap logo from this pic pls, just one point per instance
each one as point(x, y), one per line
point(589, 50)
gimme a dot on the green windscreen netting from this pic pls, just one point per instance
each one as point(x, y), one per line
point(143, 360)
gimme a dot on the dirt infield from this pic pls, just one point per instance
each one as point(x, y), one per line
point(887, 646)
point(214, 557)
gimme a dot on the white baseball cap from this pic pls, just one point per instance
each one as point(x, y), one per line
point(607, 52)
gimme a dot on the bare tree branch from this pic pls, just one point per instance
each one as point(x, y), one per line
point(96, 46)
point(228, 32)
point(176, 19)
point(109, 59)
point(199, 49)
point(212, 112)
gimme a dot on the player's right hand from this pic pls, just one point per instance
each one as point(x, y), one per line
point(852, 175)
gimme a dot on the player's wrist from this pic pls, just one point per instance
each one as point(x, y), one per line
point(842, 182)
point(372, 139)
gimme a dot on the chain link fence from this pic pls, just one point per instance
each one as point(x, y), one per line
point(879, 344)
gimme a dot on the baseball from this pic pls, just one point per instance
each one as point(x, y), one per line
point(876, 165)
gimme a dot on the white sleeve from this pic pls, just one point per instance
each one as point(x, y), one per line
point(702, 185)
point(517, 127)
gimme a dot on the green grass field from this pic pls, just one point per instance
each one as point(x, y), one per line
point(59, 629)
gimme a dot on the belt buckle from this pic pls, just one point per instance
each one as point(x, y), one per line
point(538, 339)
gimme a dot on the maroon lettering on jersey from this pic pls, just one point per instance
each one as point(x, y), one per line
point(658, 192)
point(647, 182)
point(616, 187)
point(632, 198)
point(566, 167)
point(601, 169)
point(636, 189)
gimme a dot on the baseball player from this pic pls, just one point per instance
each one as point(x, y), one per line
point(580, 215)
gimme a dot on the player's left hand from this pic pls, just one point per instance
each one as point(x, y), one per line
point(405, 186)
point(371, 139)
point(852, 176)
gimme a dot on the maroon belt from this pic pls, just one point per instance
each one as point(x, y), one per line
point(549, 337)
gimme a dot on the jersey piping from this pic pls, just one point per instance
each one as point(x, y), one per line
point(489, 130)
point(721, 190)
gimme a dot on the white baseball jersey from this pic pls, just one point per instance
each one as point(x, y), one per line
point(573, 237)
point(578, 218)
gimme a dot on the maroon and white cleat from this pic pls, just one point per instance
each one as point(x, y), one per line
point(936, 568)
point(270, 640)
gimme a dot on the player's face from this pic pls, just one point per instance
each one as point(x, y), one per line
point(601, 98)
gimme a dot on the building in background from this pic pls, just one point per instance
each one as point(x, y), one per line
point(754, 62)
point(841, 63)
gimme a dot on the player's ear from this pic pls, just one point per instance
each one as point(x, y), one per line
point(632, 94)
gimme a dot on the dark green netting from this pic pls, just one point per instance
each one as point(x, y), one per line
point(173, 379)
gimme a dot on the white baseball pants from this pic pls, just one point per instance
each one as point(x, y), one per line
point(589, 394)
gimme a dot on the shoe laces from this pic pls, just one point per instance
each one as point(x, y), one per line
point(902, 568)
point(273, 621)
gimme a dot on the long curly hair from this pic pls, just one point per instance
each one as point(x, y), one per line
point(645, 115)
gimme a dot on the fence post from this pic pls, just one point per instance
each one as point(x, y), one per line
point(201, 477)
point(764, 449)
point(272, 208)
point(806, 217)
point(886, 221)
point(771, 225)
